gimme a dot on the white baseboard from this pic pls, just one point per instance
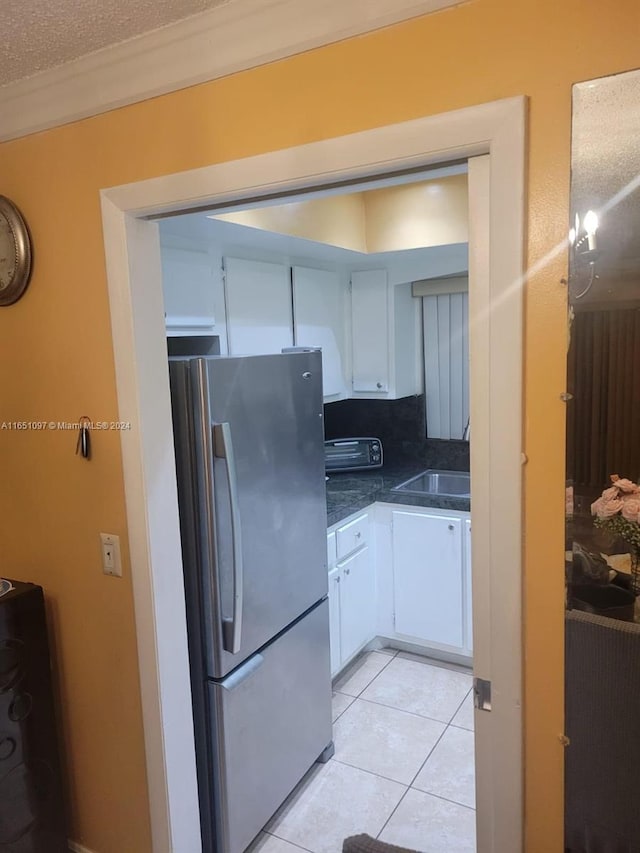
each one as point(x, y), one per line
point(74, 847)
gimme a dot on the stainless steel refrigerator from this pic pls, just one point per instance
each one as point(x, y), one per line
point(249, 452)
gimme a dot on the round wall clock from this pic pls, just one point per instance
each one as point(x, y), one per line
point(15, 253)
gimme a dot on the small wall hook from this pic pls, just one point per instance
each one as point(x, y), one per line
point(83, 445)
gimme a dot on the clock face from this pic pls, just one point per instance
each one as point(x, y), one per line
point(15, 253)
point(8, 257)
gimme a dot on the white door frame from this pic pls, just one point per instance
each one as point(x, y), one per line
point(134, 277)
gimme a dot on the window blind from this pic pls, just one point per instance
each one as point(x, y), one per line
point(446, 364)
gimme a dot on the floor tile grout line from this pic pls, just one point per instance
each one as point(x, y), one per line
point(369, 683)
point(370, 772)
point(426, 662)
point(392, 706)
point(395, 708)
point(412, 783)
point(411, 788)
point(466, 696)
point(407, 787)
point(293, 843)
point(457, 726)
point(377, 675)
point(395, 809)
point(353, 699)
point(420, 717)
point(362, 655)
point(440, 797)
point(428, 756)
point(391, 658)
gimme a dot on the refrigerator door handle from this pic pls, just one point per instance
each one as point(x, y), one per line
point(223, 449)
point(242, 673)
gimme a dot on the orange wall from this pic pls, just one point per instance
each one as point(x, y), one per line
point(57, 358)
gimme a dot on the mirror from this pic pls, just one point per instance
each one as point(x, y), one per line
point(603, 414)
point(602, 651)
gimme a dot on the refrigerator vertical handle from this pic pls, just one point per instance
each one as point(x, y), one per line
point(223, 449)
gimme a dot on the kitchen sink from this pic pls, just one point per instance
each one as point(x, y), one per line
point(451, 484)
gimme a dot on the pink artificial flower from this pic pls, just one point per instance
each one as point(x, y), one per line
point(626, 486)
point(631, 508)
point(568, 500)
point(606, 507)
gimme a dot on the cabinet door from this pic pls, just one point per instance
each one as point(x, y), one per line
point(319, 321)
point(259, 316)
point(428, 577)
point(188, 288)
point(334, 619)
point(370, 331)
point(468, 590)
point(357, 602)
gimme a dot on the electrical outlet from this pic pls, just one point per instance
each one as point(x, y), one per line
point(110, 545)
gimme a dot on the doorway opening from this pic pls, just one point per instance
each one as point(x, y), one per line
point(133, 250)
point(376, 276)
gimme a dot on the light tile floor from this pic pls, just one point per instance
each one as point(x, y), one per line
point(403, 770)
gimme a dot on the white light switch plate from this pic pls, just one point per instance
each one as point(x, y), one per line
point(110, 547)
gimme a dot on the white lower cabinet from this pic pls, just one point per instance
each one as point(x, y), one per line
point(428, 578)
point(357, 602)
point(468, 622)
point(334, 619)
point(352, 590)
point(402, 574)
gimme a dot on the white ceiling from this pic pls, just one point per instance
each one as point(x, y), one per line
point(242, 241)
point(201, 230)
point(41, 34)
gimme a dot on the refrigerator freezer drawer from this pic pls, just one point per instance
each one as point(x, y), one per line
point(273, 719)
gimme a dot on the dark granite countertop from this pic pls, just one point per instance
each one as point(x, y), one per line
point(349, 492)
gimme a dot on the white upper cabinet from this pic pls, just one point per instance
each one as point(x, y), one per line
point(318, 312)
point(189, 287)
point(259, 315)
point(385, 337)
point(370, 332)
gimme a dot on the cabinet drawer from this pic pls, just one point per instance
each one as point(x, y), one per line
point(332, 554)
point(352, 536)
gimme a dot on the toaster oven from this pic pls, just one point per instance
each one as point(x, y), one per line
point(352, 454)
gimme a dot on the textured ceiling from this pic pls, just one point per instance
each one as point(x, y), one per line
point(41, 34)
